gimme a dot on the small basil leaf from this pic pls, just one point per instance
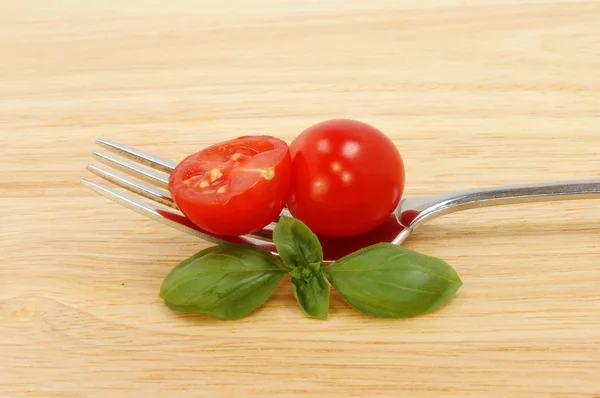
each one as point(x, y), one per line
point(297, 273)
point(226, 281)
point(307, 272)
point(297, 245)
point(312, 295)
point(389, 281)
point(314, 268)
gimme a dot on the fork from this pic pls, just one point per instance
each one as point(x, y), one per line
point(146, 177)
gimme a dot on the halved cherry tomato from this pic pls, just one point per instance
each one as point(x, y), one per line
point(235, 187)
point(347, 178)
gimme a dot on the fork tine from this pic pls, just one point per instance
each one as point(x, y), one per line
point(147, 159)
point(172, 219)
point(156, 194)
point(141, 172)
point(149, 210)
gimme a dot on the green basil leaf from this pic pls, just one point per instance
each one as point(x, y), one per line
point(297, 245)
point(298, 273)
point(312, 295)
point(389, 281)
point(314, 268)
point(226, 281)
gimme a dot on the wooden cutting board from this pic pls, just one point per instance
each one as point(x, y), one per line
point(474, 93)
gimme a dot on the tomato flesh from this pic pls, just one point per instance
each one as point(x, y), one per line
point(235, 187)
point(347, 178)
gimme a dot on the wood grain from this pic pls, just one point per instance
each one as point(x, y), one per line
point(474, 93)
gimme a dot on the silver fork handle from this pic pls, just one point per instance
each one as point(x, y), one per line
point(419, 210)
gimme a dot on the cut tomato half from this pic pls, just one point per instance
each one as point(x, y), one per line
point(235, 187)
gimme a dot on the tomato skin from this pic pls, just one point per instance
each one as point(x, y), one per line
point(347, 178)
point(251, 201)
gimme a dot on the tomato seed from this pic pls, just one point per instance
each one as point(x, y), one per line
point(215, 174)
point(222, 189)
point(191, 180)
point(268, 174)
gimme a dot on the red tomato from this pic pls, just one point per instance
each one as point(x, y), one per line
point(234, 187)
point(347, 178)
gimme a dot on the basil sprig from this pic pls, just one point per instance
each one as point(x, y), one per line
point(383, 280)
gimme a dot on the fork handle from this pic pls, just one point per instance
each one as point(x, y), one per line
point(423, 209)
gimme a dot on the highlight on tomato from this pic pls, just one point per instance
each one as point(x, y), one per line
point(234, 187)
point(347, 178)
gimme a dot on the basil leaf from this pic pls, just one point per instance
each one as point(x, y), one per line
point(389, 281)
point(226, 281)
point(297, 245)
point(312, 295)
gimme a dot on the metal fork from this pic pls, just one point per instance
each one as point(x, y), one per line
point(147, 175)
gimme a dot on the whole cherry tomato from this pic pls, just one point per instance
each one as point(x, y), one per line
point(347, 177)
point(234, 187)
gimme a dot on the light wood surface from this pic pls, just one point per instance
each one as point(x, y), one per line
point(474, 93)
